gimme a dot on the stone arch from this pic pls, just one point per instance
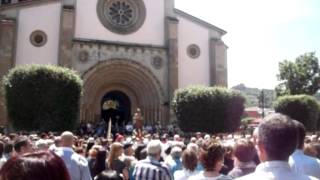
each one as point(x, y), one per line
point(130, 77)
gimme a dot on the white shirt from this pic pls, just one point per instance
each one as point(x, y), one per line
point(201, 176)
point(184, 174)
point(76, 164)
point(275, 170)
point(303, 164)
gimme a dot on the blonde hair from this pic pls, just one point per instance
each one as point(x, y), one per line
point(114, 153)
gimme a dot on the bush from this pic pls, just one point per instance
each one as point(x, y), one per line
point(42, 97)
point(208, 109)
point(303, 108)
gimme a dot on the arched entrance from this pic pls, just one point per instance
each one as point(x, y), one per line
point(116, 105)
point(129, 77)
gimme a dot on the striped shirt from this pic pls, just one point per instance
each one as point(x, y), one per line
point(151, 169)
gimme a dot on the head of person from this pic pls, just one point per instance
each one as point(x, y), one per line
point(244, 150)
point(108, 175)
point(35, 166)
point(176, 152)
point(154, 149)
point(100, 163)
point(67, 139)
point(128, 149)
point(189, 160)
point(301, 131)
point(277, 138)
point(22, 145)
point(116, 151)
point(212, 156)
point(8, 148)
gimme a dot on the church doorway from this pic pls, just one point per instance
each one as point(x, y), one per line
point(116, 105)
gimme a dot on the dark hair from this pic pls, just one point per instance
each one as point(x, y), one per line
point(138, 150)
point(244, 150)
point(1, 148)
point(108, 175)
point(19, 143)
point(8, 148)
point(278, 134)
point(189, 159)
point(210, 154)
point(100, 162)
point(301, 130)
point(35, 166)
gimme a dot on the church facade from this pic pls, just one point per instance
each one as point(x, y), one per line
point(130, 53)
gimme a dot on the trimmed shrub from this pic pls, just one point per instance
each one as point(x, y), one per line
point(208, 109)
point(303, 108)
point(42, 97)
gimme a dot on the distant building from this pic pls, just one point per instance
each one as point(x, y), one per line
point(130, 53)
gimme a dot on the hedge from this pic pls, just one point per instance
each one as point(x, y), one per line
point(208, 109)
point(303, 108)
point(42, 97)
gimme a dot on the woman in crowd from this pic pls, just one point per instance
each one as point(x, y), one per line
point(189, 162)
point(211, 157)
point(114, 163)
point(35, 166)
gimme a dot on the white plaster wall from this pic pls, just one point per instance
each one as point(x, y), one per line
point(88, 25)
point(46, 18)
point(192, 71)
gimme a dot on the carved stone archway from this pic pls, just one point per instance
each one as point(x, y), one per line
point(129, 77)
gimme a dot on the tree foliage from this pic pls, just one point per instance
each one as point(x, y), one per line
point(303, 108)
point(299, 77)
point(208, 109)
point(42, 97)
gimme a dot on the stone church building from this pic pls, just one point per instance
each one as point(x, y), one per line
point(129, 53)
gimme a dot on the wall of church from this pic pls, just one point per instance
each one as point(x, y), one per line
point(46, 18)
point(88, 25)
point(193, 71)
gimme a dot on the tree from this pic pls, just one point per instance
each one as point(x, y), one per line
point(303, 108)
point(208, 109)
point(42, 97)
point(299, 77)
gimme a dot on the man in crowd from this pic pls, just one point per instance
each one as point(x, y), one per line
point(301, 163)
point(22, 145)
point(77, 165)
point(151, 168)
point(276, 141)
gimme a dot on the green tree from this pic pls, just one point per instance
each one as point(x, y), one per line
point(42, 97)
point(299, 77)
point(208, 109)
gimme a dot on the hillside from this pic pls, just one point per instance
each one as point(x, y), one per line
point(252, 95)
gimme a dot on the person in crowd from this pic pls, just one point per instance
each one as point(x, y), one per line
point(228, 160)
point(35, 166)
point(114, 163)
point(128, 158)
point(298, 161)
point(77, 165)
point(276, 141)
point(7, 153)
point(108, 175)
point(152, 165)
point(174, 160)
point(92, 157)
point(244, 153)
point(189, 162)
point(310, 149)
point(22, 145)
point(211, 157)
point(100, 162)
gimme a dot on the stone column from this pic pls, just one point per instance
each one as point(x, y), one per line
point(172, 44)
point(7, 51)
point(67, 26)
point(218, 63)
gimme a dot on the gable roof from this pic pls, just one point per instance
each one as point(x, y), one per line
point(199, 21)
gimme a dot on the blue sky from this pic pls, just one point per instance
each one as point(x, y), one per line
point(260, 34)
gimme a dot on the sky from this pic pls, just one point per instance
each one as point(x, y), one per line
point(261, 33)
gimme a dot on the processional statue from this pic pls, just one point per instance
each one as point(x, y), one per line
point(138, 122)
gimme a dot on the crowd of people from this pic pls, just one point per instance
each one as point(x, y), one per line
point(278, 149)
